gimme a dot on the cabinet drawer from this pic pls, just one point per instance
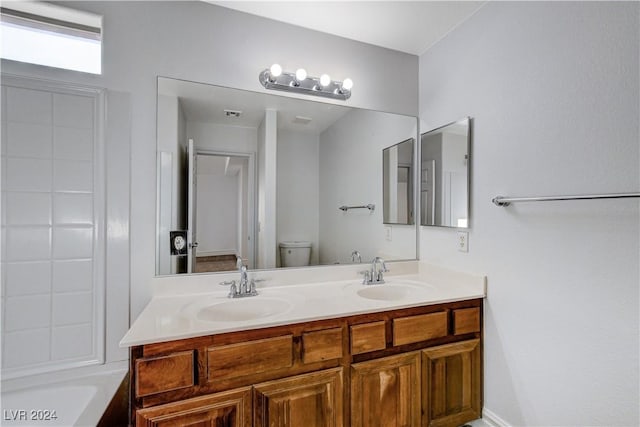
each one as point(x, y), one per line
point(249, 358)
point(407, 330)
point(164, 373)
point(466, 320)
point(322, 345)
point(368, 337)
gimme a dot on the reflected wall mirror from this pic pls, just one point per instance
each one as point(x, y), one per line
point(444, 175)
point(397, 184)
point(262, 177)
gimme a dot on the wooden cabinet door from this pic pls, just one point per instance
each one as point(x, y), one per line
point(226, 409)
point(308, 400)
point(386, 392)
point(452, 377)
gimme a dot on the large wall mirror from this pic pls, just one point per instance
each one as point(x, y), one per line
point(444, 182)
point(263, 178)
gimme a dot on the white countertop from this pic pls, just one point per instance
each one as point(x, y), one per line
point(176, 315)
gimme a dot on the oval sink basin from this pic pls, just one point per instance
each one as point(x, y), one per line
point(392, 291)
point(237, 310)
point(386, 292)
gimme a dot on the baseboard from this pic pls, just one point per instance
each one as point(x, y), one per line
point(490, 418)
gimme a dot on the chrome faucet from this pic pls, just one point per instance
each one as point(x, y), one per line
point(375, 276)
point(355, 255)
point(246, 287)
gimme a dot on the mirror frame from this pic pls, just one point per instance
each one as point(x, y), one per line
point(469, 120)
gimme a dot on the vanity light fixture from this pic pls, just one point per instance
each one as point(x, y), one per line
point(275, 78)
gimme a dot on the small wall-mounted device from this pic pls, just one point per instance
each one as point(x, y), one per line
point(178, 242)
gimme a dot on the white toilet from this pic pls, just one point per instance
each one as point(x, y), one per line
point(295, 254)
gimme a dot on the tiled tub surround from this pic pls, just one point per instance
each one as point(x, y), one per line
point(51, 227)
point(313, 294)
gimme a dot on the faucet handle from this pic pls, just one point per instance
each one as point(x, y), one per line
point(233, 291)
point(227, 283)
point(367, 276)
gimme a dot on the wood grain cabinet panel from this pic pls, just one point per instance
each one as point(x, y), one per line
point(308, 400)
point(164, 373)
point(466, 320)
point(407, 330)
point(386, 392)
point(249, 358)
point(368, 337)
point(452, 384)
point(322, 345)
point(226, 409)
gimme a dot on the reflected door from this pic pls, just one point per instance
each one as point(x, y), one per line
point(191, 208)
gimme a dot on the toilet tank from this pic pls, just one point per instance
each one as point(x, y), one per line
point(295, 254)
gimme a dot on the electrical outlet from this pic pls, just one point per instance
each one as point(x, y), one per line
point(387, 233)
point(463, 241)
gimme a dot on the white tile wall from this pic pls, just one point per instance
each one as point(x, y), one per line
point(49, 232)
point(73, 144)
point(28, 208)
point(24, 348)
point(73, 111)
point(72, 243)
point(26, 278)
point(70, 342)
point(27, 312)
point(29, 140)
point(28, 174)
point(72, 175)
point(29, 106)
point(69, 309)
point(72, 208)
point(28, 243)
point(72, 275)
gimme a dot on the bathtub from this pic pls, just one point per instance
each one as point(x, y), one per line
point(68, 398)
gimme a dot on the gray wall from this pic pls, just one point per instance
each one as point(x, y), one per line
point(553, 89)
point(206, 43)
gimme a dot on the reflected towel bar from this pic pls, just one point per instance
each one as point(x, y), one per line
point(369, 206)
point(506, 201)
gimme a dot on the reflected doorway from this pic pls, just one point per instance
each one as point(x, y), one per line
point(221, 211)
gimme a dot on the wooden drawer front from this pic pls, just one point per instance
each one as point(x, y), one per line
point(164, 373)
point(407, 330)
point(368, 337)
point(250, 358)
point(322, 345)
point(466, 320)
point(219, 409)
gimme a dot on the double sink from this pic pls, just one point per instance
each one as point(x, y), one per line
point(273, 302)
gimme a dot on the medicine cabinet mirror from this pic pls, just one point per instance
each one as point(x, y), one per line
point(397, 185)
point(264, 178)
point(444, 175)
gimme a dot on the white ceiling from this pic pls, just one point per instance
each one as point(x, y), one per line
point(406, 26)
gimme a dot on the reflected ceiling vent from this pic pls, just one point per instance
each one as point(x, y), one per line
point(232, 113)
point(301, 120)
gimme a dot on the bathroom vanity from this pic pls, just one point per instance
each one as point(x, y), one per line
point(406, 353)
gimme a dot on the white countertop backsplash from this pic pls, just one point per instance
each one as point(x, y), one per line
point(312, 294)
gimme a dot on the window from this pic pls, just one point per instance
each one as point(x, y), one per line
point(45, 34)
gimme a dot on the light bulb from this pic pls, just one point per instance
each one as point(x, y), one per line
point(325, 80)
point(347, 84)
point(301, 74)
point(275, 70)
